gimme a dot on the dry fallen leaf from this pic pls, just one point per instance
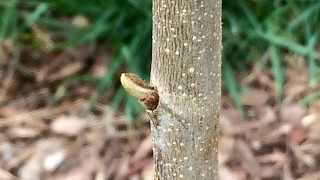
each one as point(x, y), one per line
point(23, 132)
point(143, 150)
point(255, 97)
point(297, 134)
point(226, 174)
point(38, 166)
point(5, 175)
point(85, 169)
point(292, 112)
point(148, 172)
point(69, 125)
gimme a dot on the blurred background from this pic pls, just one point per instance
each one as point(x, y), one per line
point(64, 115)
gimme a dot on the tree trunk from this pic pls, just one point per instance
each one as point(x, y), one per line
point(186, 71)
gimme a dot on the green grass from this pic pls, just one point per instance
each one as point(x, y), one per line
point(251, 28)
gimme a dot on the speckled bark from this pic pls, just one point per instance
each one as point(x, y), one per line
point(186, 69)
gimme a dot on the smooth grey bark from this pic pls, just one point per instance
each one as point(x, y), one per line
point(186, 70)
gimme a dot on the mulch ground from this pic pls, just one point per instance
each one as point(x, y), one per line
point(47, 134)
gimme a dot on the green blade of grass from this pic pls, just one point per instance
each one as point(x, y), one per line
point(34, 16)
point(105, 82)
point(276, 62)
point(85, 34)
point(250, 15)
point(309, 98)
point(75, 79)
point(231, 85)
point(278, 70)
point(118, 98)
point(313, 68)
point(7, 17)
point(307, 12)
